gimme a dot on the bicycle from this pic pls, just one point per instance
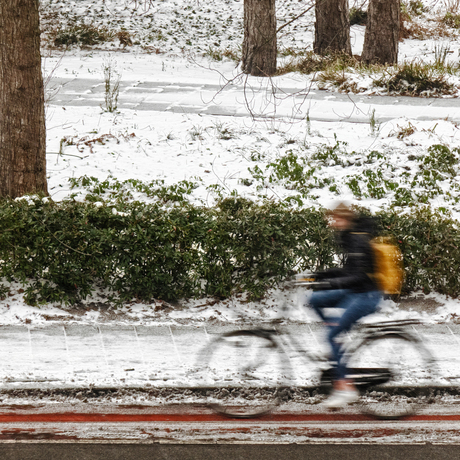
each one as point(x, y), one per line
point(389, 364)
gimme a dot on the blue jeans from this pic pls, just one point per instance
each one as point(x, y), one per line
point(356, 305)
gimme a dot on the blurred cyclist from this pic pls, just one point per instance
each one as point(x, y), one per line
point(350, 288)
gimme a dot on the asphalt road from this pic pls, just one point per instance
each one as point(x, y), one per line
point(104, 451)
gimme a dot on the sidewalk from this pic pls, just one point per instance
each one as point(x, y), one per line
point(72, 355)
point(219, 100)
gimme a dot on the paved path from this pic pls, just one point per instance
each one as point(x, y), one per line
point(78, 355)
point(236, 100)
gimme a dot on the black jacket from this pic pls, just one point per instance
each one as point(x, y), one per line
point(359, 264)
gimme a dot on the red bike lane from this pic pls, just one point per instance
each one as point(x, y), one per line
point(185, 424)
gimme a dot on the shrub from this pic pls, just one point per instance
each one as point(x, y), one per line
point(416, 79)
point(66, 249)
point(358, 16)
point(331, 155)
point(249, 247)
point(61, 252)
point(416, 7)
point(441, 159)
point(120, 194)
point(451, 20)
point(430, 243)
point(82, 34)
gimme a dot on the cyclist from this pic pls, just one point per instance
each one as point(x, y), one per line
point(350, 288)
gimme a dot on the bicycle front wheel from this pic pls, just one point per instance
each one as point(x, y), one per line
point(392, 370)
point(247, 373)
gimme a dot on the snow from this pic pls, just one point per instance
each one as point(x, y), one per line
point(216, 127)
point(262, 121)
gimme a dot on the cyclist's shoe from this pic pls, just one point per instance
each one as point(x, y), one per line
point(340, 398)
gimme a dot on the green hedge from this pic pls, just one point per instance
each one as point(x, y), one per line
point(430, 243)
point(62, 251)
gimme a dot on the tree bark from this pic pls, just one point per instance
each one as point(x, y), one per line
point(22, 112)
point(332, 27)
point(259, 44)
point(382, 32)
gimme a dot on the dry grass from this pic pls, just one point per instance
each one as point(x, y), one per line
point(312, 63)
point(451, 6)
point(419, 31)
point(415, 23)
point(403, 131)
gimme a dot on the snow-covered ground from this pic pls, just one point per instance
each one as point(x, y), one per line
point(384, 151)
point(366, 149)
point(276, 306)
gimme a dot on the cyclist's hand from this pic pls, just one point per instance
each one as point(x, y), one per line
point(301, 278)
point(311, 281)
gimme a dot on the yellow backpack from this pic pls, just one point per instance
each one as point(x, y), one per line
point(389, 273)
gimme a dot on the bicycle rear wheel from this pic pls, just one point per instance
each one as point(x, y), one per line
point(247, 372)
point(392, 370)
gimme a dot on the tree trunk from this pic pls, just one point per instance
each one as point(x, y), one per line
point(382, 32)
point(332, 27)
point(259, 44)
point(22, 112)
